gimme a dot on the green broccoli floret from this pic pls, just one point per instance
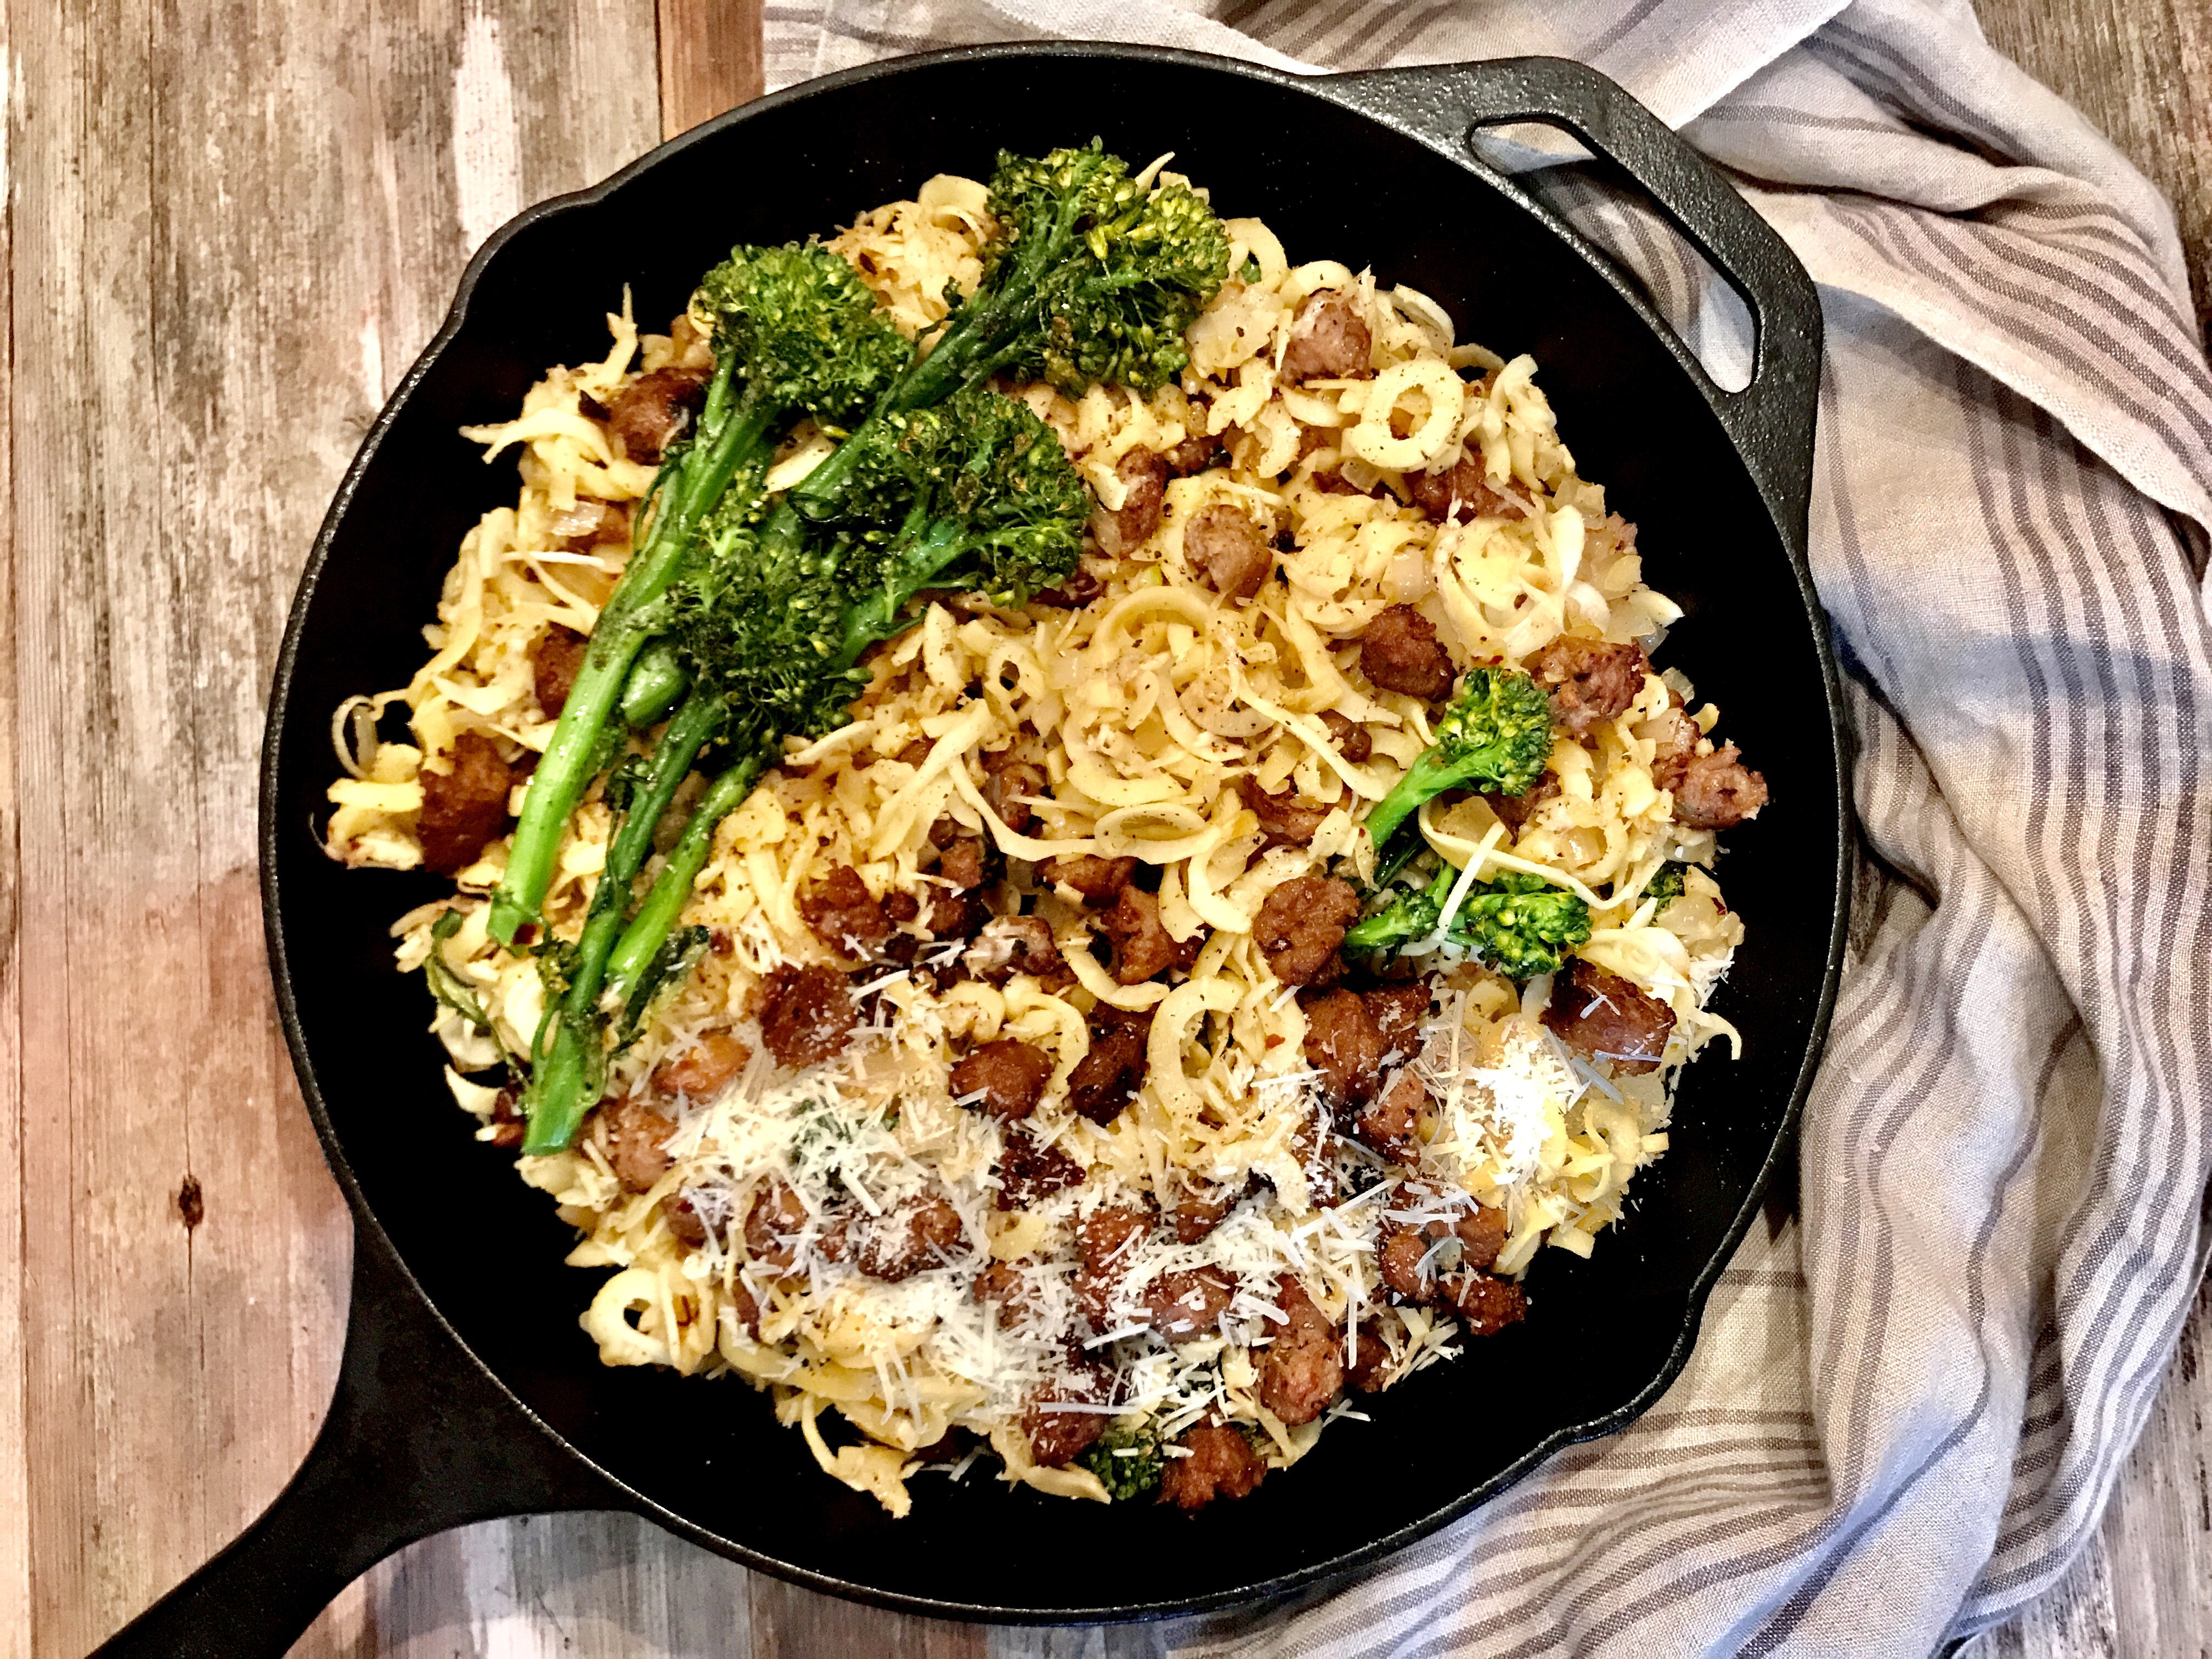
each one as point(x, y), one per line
point(1127, 1462)
point(1496, 736)
point(1520, 925)
point(796, 333)
point(1666, 886)
point(1409, 914)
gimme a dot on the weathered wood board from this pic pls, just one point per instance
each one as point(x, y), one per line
point(230, 227)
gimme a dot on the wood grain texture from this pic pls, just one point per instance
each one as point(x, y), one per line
point(2142, 71)
point(231, 225)
point(710, 60)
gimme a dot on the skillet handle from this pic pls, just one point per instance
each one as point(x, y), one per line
point(419, 1438)
point(1771, 420)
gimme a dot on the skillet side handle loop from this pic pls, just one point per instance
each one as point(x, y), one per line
point(418, 1439)
point(1771, 420)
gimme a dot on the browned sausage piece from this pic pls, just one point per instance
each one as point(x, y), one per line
point(1196, 1215)
point(1460, 491)
point(1058, 1437)
point(775, 1218)
point(1105, 1237)
point(1142, 946)
point(509, 1129)
point(1481, 1233)
point(631, 1132)
point(1399, 1011)
point(1003, 1285)
point(1401, 653)
point(1387, 1124)
point(1310, 1144)
point(1301, 925)
point(1718, 790)
point(1097, 879)
point(1604, 1017)
point(1289, 819)
point(1230, 548)
point(1221, 1464)
point(1514, 811)
point(1144, 476)
point(1010, 945)
point(652, 410)
point(1370, 1362)
point(554, 661)
point(1352, 739)
point(686, 1224)
point(1343, 1045)
point(1329, 340)
point(747, 1310)
point(1398, 1257)
point(1303, 1366)
point(958, 916)
point(1591, 681)
point(1028, 1172)
point(591, 522)
point(1009, 1075)
point(921, 1232)
point(1486, 1306)
point(464, 807)
point(806, 1014)
point(1674, 745)
point(843, 912)
point(1105, 1243)
point(1077, 591)
point(964, 864)
point(1007, 780)
point(1193, 454)
point(1101, 1085)
point(704, 1068)
point(1188, 1302)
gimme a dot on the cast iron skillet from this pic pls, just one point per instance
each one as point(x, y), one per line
point(467, 1389)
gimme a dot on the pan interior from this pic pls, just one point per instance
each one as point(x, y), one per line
point(1333, 184)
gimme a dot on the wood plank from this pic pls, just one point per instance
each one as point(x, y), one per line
point(710, 60)
point(208, 197)
point(2142, 72)
point(15, 1444)
point(175, 1365)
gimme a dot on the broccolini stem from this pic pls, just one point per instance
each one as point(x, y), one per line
point(654, 684)
point(657, 914)
point(569, 764)
point(562, 1084)
point(1418, 785)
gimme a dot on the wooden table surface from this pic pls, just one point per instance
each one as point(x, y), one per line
point(231, 226)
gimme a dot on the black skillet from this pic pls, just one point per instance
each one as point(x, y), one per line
point(467, 1389)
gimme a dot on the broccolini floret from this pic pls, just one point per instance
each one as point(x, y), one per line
point(1127, 1478)
point(1496, 736)
point(975, 496)
point(796, 333)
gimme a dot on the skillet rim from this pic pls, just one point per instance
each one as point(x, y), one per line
point(1788, 519)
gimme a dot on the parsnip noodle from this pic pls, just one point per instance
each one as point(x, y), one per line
point(1150, 710)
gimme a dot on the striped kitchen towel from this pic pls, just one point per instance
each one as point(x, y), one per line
point(1908, 1406)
